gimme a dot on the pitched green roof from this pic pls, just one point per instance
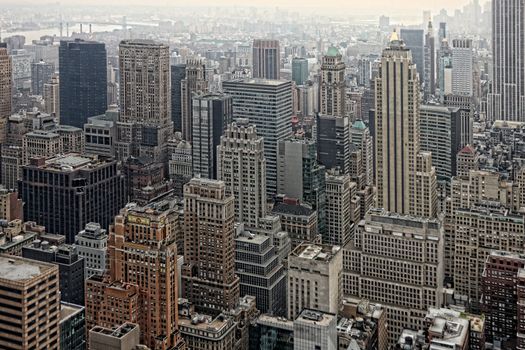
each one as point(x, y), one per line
point(332, 52)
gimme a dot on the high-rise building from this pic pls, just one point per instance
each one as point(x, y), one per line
point(333, 142)
point(208, 274)
point(100, 133)
point(396, 261)
point(332, 84)
point(339, 226)
point(507, 98)
point(444, 131)
point(92, 244)
point(70, 267)
point(414, 40)
point(210, 115)
point(405, 178)
point(502, 287)
point(270, 332)
point(195, 81)
point(72, 190)
point(300, 176)
point(298, 220)
point(6, 76)
point(30, 320)
point(314, 329)
point(72, 326)
point(466, 160)
point(41, 73)
point(180, 165)
point(268, 105)
point(260, 271)
point(462, 67)
point(444, 69)
point(145, 99)
point(314, 279)
point(430, 61)
point(299, 70)
point(266, 59)
point(242, 167)
point(178, 73)
point(142, 254)
point(52, 97)
point(361, 138)
point(364, 71)
point(83, 81)
point(124, 337)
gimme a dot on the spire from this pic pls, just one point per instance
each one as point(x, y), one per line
point(394, 36)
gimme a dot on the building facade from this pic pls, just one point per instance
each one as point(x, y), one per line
point(266, 59)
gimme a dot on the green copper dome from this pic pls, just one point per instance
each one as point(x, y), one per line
point(358, 124)
point(332, 52)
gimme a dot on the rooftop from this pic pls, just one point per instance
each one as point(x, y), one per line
point(261, 81)
point(14, 268)
point(67, 310)
point(315, 317)
point(332, 52)
point(293, 209)
point(319, 252)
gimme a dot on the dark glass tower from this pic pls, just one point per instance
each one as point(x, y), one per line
point(178, 73)
point(83, 81)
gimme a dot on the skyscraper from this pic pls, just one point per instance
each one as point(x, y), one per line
point(300, 176)
point(6, 76)
point(242, 167)
point(405, 178)
point(462, 67)
point(268, 105)
point(415, 41)
point(142, 254)
point(83, 81)
point(211, 114)
point(41, 73)
point(333, 142)
point(339, 224)
point(208, 274)
point(52, 97)
point(507, 98)
point(299, 70)
point(194, 82)
point(332, 84)
point(36, 307)
point(266, 59)
point(361, 138)
point(145, 99)
point(430, 61)
point(72, 190)
point(178, 73)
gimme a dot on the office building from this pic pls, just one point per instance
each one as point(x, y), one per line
point(73, 191)
point(125, 337)
point(298, 220)
point(333, 142)
point(266, 59)
point(210, 115)
point(332, 84)
point(299, 70)
point(270, 332)
point(70, 267)
point(21, 62)
point(6, 73)
point(180, 166)
point(41, 143)
point(444, 69)
point(72, 326)
point(466, 160)
point(11, 207)
point(242, 167)
point(268, 105)
point(51, 96)
point(430, 61)
point(207, 332)
point(414, 40)
point(260, 271)
point(444, 131)
point(502, 287)
point(405, 178)
point(145, 101)
point(83, 81)
point(364, 72)
point(178, 73)
point(195, 81)
point(72, 138)
point(300, 176)
point(142, 254)
point(462, 67)
point(339, 225)
point(361, 138)
point(507, 98)
point(314, 279)
point(100, 134)
point(208, 274)
point(41, 73)
point(396, 261)
point(314, 329)
point(91, 244)
point(29, 321)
